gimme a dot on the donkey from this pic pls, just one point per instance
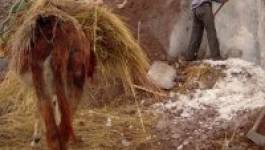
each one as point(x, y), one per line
point(59, 61)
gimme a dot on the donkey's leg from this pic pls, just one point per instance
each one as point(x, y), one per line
point(74, 100)
point(76, 75)
point(46, 109)
point(57, 115)
point(56, 109)
point(65, 126)
point(36, 137)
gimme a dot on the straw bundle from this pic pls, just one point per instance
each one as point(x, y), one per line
point(199, 76)
point(118, 55)
point(15, 97)
point(22, 39)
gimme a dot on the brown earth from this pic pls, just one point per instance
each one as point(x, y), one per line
point(156, 23)
point(168, 133)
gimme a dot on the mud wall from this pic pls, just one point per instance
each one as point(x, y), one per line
point(240, 26)
point(164, 26)
point(157, 19)
point(237, 26)
point(261, 31)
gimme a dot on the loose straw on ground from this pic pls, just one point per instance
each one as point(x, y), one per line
point(160, 94)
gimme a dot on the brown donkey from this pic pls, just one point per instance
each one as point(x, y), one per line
point(59, 60)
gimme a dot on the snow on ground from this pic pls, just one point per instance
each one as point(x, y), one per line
point(242, 88)
point(205, 116)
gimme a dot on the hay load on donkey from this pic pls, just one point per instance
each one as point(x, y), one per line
point(55, 50)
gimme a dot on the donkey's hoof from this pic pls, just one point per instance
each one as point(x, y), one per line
point(35, 143)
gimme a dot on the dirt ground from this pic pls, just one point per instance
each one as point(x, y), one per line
point(120, 127)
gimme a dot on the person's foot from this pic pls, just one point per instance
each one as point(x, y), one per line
point(217, 58)
point(171, 63)
point(171, 60)
point(188, 56)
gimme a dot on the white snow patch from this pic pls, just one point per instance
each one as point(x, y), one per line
point(242, 88)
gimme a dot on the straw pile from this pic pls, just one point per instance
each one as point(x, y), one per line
point(118, 56)
point(114, 46)
point(199, 76)
point(17, 112)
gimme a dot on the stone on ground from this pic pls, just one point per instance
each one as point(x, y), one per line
point(162, 75)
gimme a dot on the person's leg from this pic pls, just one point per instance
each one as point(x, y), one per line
point(195, 39)
point(208, 20)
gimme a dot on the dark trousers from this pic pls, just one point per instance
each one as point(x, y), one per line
point(203, 18)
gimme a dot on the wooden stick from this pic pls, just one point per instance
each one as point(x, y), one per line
point(139, 31)
point(151, 91)
point(218, 9)
point(259, 120)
